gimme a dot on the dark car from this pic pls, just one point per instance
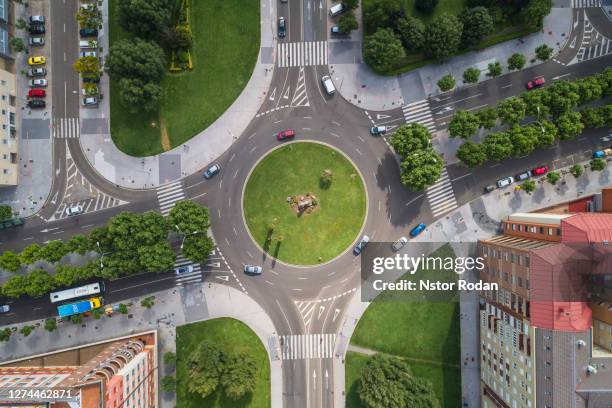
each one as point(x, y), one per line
point(36, 104)
point(361, 245)
point(36, 72)
point(37, 29)
point(489, 188)
point(88, 32)
point(211, 171)
point(281, 27)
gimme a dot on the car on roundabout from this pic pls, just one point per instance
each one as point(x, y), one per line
point(361, 245)
point(253, 269)
point(417, 230)
point(211, 171)
point(378, 130)
point(286, 134)
point(74, 210)
point(399, 244)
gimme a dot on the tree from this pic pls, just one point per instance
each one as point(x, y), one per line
point(198, 248)
point(240, 375)
point(592, 117)
point(495, 69)
point(21, 24)
point(471, 75)
point(144, 18)
point(511, 111)
point(90, 17)
point(386, 382)
point(487, 118)
point(380, 13)
point(561, 97)
point(9, 261)
point(598, 164)
point(410, 138)
point(87, 65)
point(606, 113)
point(576, 170)
point(53, 251)
point(67, 275)
point(148, 302)
point(27, 330)
point(17, 44)
point(477, 24)
point(535, 102)
point(136, 95)
point(472, 154)
point(79, 244)
point(97, 313)
point(421, 169)
point(170, 358)
point(412, 33)
point(535, 11)
point(350, 4)
point(39, 283)
point(123, 309)
point(205, 366)
point(498, 146)
point(543, 52)
point(443, 36)
point(546, 133)
point(30, 254)
point(76, 319)
point(168, 383)
point(5, 334)
point(348, 22)
point(188, 217)
point(528, 186)
point(326, 178)
point(553, 177)
point(446, 83)
point(516, 61)
point(6, 212)
point(383, 50)
point(15, 286)
point(136, 58)
point(569, 125)
point(524, 140)
point(464, 124)
point(426, 6)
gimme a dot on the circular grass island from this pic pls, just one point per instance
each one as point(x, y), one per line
point(304, 203)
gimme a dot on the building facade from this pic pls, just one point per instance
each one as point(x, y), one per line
point(9, 148)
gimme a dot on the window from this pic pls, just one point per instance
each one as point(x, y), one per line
point(541, 230)
point(533, 229)
point(558, 231)
point(513, 227)
point(520, 227)
point(550, 231)
point(3, 82)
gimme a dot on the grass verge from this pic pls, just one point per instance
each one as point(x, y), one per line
point(232, 335)
point(293, 170)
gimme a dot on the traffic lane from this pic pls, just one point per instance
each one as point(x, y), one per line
point(64, 53)
point(599, 20)
point(294, 21)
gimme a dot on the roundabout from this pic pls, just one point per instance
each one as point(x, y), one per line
point(304, 203)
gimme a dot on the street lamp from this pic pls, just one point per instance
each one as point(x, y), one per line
point(101, 254)
point(185, 235)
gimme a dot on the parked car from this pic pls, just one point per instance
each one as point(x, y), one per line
point(37, 93)
point(36, 104)
point(286, 134)
point(211, 171)
point(37, 19)
point(88, 32)
point(378, 130)
point(74, 210)
point(361, 245)
point(5, 309)
point(335, 30)
point(36, 41)
point(281, 27)
point(92, 80)
point(83, 54)
point(253, 269)
point(181, 270)
point(536, 82)
point(417, 230)
point(489, 188)
point(36, 29)
point(540, 171)
point(504, 182)
point(37, 82)
point(90, 101)
point(599, 154)
point(37, 60)
point(523, 176)
point(399, 244)
point(608, 152)
point(336, 9)
point(36, 72)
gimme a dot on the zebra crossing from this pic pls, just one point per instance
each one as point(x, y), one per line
point(586, 3)
point(301, 54)
point(65, 128)
point(440, 196)
point(589, 50)
point(186, 278)
point(419, 112)
point(169, 195)
point(307, 346)
point(300, 97)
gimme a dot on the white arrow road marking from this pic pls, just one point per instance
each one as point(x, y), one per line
point(326, 379)
point(314, 378)
point(286, 94)
point(321, 309)
point(391, 127)
point(273, 94)
point(49, 229)
point(336, 313)
point(223, 277)
point(561, 76)
point(54, 199)
point(215, 264)
point(380, 116)
point(213, 252)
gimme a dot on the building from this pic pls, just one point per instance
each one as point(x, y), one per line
point(546, 334)
point(9, 148)
point(119, 373)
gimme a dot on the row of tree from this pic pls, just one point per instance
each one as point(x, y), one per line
point(420, 165)
point(130, 243)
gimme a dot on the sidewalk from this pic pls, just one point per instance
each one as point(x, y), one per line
point(174, 307)
point(478, 219)
point(202, 149)
point(359, 85)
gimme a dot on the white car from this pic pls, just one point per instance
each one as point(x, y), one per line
point(253, 269)
point(83, 54)
point(37, 82)
point(183, 270)
point(74, 210)
point(5, 308)
point(505, 182)
point(90, 101)
point(36, 41)
point(399, 244)
point(37, 19)
point(330, 89)
point(378, 130)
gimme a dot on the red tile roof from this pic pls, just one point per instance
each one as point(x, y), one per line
point(587, 228)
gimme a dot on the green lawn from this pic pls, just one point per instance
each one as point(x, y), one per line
point(427, 334)
point(293, 170)
point(231, 335)
point(226, 44)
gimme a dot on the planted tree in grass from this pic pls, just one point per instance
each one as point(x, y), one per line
point(576, 170)
point(477, 24)
point(239, 375)
point(50, 324)
point(472, 154)
point(533, 13)
point(553, 177)
point(494, 69)
point(543, 52)
point(516, 61)
point(136, 58)
point(144, 18)
point(528, 186)
point(326, 178)
point(136, 95)
point(446, 83)
point(383, 50)
point(443, 36)
point(471, 75)
point(412, 33)
point(205, 367)
point(464, 124)
point(380, 13)
point(598, 164)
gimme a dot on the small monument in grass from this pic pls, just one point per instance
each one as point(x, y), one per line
point(306, 203)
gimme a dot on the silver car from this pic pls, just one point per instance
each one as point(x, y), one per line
point(37, 82)
point(74, 210)
point(399, 244)
point(253, 269)
point(5, 308)
point(36, 41)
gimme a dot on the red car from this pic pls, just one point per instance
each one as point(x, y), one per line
point(286, 134)
point(37, 93)
point(536, 83)
point(538, 171)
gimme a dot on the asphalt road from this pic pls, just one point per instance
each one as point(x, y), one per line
point(289, 293)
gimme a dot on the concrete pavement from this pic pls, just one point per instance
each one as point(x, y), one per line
point(359, 85)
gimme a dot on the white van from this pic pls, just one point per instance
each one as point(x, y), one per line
point(88, 44)
point(336, 9)
point(328, 85)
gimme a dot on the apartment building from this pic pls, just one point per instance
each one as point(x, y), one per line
point(9, 148)
point(545, 334)
point(120, 373)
